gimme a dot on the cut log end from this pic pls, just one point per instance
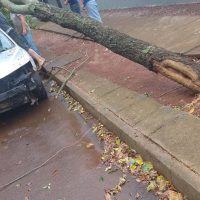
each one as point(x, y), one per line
point(178, 72)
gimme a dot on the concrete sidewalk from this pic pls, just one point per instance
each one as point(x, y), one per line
point(131, 101)
point(175, 33)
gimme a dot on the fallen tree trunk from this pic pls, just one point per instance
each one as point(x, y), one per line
point(177, 67)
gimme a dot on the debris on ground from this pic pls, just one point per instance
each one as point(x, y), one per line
point(119, 156)
point(193, 107)
point(89, 145)
point(48, 187)
point(118, 187)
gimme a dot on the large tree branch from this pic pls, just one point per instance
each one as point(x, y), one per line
point(15, 8)
point(177, 67)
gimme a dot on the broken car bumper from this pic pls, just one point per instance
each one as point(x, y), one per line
point(16, 96)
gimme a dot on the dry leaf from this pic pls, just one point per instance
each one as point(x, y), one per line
point(162, 183)
point(118, 141)
point(122, 180)
point(151, 186)
point(138, 180)
point(92, 91)
point(191, 110)
point(172, 195)
point(107, 196)
point(89, 145)
point(137, 196)
point(108, 168)
point(139, 160)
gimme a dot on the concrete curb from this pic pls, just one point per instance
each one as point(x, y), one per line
point(182, 177)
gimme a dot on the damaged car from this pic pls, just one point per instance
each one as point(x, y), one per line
point(20, 82)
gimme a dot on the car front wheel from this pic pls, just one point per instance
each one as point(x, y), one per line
point(40, 92)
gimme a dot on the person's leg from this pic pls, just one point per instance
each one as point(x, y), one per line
point(92, 10)
point(28, 37)
point(75, 8)
point(40, 60)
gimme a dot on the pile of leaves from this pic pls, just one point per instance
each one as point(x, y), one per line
point(118, 155)
point(73, 105)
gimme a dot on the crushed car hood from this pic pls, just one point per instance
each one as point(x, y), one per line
point(12, 59)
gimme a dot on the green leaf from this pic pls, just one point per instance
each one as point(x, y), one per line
point(132, 161)
point(147, 167)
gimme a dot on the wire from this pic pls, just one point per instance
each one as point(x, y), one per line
point(44, 163)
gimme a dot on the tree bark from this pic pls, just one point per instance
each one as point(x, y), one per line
point(177, 67)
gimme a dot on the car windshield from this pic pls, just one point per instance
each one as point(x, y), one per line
point(5, 42)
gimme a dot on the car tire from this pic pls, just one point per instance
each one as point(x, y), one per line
point(40, 91)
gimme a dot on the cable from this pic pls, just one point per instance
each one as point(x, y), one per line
point(44, 163)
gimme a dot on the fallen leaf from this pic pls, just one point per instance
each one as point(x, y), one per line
point(162, 183)
point(92, 91)
point(191, 110)
point(151, 186)
point(118, 141)
point(47, 186)
point(94, 129)
point(139, 160)
point(138, 180)
point(108, 168)
point(147, 166)
point(89, 145)
point(132, 161)
point(122, 180)
point(122, 161)
point(172, 195)
point(133, 167)
point(118, 188)
point(107, 196)
point(137, 196)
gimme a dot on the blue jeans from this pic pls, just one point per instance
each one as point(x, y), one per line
point(29, 39)
point(93, 11)
point(75, 8)
point(18, 39)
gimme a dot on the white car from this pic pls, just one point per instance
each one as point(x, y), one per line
point(20, 83)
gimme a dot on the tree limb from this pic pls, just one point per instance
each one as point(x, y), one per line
point(23, 9)
point(180, 68)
